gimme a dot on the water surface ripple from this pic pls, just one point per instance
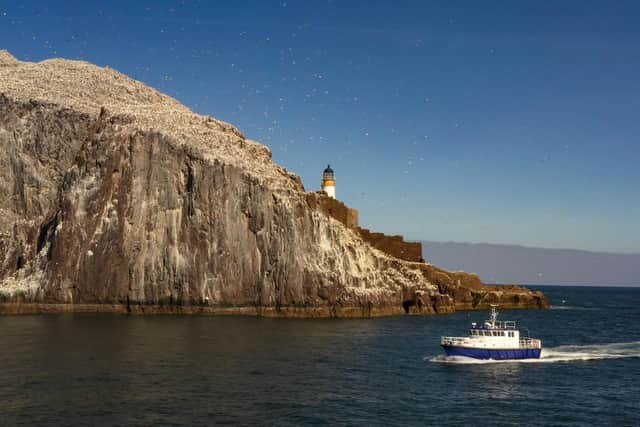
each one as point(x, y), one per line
point(86, 369)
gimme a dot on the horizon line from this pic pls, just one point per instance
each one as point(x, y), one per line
point(524, 246)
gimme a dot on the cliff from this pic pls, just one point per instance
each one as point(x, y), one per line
point(115, 197)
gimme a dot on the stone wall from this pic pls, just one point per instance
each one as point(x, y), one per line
point(391, 245)
point(334, 208)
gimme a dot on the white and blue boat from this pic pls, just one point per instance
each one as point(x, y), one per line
point(496, 340)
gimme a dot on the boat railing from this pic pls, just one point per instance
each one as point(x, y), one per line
point(453, 340)
point(530, 343)
point(505, 324)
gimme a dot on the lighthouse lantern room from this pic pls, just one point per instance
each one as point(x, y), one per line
point(329, 182)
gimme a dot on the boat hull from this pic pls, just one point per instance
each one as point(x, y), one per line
point(494, 354)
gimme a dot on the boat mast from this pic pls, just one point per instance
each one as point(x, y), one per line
point(494, 315)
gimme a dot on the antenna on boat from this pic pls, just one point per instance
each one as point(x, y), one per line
point(494, 314)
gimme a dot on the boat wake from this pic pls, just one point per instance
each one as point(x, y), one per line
point(565, 353)
point(572, 307)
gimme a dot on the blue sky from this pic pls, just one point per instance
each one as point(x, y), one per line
point(499, 122)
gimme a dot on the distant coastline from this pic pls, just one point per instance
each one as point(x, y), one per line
point(523, 265)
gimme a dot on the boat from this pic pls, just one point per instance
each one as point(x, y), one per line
point(496, 340)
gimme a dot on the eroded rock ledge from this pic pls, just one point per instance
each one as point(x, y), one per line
point(114, 197)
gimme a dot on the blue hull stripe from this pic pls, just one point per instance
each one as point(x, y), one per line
point(495, 354)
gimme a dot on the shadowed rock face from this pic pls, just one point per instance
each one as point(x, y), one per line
point(114, 194)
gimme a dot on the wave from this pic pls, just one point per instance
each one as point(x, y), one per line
point(571, 307)
point(565, 353)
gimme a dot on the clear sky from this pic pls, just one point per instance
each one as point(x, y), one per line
point(501, 122)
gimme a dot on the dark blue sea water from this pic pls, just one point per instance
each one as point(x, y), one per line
point(170, 370)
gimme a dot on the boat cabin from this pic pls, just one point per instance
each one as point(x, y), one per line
point(494, 333)
point(499, 331)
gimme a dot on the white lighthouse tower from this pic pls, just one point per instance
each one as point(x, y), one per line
point(329, 182)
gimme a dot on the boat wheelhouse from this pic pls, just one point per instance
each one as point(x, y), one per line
point(497, 340)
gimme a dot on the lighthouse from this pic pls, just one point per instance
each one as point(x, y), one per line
point(329, 182)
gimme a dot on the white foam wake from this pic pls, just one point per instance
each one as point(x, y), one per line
point(565, 353)
point(572, 307)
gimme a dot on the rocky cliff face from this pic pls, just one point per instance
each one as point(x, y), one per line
point(114, 194)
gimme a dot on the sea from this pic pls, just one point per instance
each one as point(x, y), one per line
point(108, 369)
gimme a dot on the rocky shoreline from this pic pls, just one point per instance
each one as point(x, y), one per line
point(15, 308)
